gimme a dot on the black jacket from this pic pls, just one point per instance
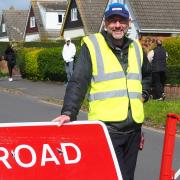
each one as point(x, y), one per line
point(159, 59)
point(10, 56)
point(81, 78)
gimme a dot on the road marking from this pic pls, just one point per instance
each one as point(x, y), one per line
point(177, 174)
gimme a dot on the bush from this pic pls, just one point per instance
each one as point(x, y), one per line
point(3, 74)
point(51, 64)
point(49, 44)
point(26, 61)
point(31, 65)
point(173, 74)
point(21, 62)
point(41, 64)
point(42, 44)
point(172, 46)
point(3, 46)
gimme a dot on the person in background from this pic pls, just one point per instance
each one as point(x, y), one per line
point(115, 74)
point(158, 57)
point(10, 57)
point(68, 53)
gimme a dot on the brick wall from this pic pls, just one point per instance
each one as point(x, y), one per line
point(172, 91)
point(149, 41)
point(4, 68)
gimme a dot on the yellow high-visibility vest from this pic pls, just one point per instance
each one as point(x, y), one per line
point(111, 91)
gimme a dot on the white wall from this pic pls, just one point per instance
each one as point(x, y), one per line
point(32, 37)
point(4, 39)
point(52, 20)
point(43, 13)
point(74, 33)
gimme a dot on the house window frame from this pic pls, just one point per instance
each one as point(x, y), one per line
point(32, 22)
point(3, 28)
point(61, 18)
point(74, 14)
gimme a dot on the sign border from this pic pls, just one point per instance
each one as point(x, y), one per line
point(47, 123)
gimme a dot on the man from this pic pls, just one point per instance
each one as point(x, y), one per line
point(158, 57)
point(110, 68)
point(68, 53)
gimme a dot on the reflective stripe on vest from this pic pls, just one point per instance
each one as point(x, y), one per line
point(101, 74)
point(102, 93)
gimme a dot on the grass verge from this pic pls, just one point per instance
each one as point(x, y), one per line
point(156, 112)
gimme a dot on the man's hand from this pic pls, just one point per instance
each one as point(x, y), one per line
point(62, 119)
point(142, 99)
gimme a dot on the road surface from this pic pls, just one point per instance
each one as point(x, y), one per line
point(23, 108)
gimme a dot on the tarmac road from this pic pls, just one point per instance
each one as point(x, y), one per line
point(25, 108)
point(29, 107)
point(149, 160)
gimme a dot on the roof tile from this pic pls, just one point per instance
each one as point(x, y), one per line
point(156, 14)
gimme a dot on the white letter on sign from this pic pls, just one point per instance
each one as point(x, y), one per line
point(33, 154)
point(4, 158)
point(66, 159)
point(46, 148)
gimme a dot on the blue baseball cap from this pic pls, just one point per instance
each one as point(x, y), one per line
point(116, 9)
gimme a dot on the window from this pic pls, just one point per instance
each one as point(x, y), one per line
point(3, 28)
point(32, 22)
point(74, 14)
point(60, 18)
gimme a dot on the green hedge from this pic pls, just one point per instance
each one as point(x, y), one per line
point(47, 63)
point(27, 62)
point(20, 62)
point(172, 46)
point(51, 64)
point(3, 46)
point(48, 44)
point(173, 74)
point(31, 65)
point(41, 64)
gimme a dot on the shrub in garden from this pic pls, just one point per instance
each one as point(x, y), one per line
point(51, 64)
point(173, 74)
point(31, 65)
point(172, 45)
point(21, 62)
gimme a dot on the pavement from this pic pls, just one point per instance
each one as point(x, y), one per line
point(39, 89)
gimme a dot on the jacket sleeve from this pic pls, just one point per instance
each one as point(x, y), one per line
point(146, 77)
point(78, 85)
point(73, 50)
point(63, 54)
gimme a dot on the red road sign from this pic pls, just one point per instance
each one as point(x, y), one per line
point(74, 151)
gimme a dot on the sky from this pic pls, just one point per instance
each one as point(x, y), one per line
point(18, 4)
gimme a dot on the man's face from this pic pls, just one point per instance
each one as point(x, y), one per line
point(117, 26)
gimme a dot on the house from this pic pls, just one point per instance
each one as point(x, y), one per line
point(150, 19)
point(18, 25)
point(15, 23)
point(83, 17)
point(154, 19)
point(49, 15)
point(31, 32)
point(3, 32)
